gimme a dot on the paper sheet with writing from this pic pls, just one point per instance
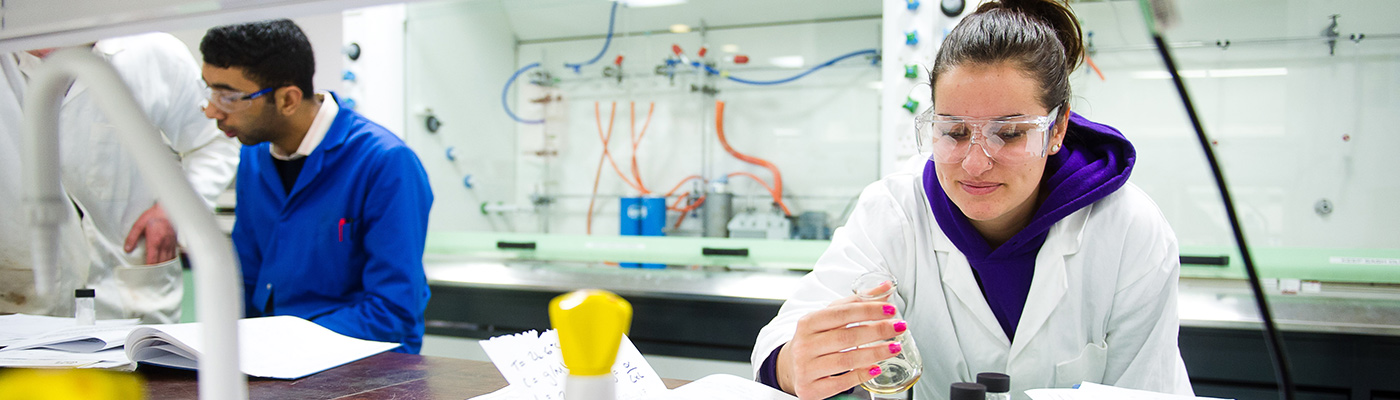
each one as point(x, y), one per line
point(1094, 391)
point(532, 364)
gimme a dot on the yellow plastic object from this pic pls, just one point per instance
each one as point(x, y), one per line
point(66, 384)
point(591, 323)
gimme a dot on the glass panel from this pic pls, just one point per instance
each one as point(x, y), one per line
point(1299, 120)
point(820, 130)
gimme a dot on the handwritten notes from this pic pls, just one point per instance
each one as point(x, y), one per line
point(534, 367)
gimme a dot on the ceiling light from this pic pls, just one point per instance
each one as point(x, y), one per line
point(649, 3)
point(730, 48)
point(680, 28)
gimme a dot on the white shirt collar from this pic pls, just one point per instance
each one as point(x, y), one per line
point(319, 126)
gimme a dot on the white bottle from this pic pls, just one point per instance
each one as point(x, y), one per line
point(85, 310)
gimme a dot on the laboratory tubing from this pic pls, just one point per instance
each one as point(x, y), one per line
point(967, 391)
point(998, 385)
point(86, 308)
point(898, 373)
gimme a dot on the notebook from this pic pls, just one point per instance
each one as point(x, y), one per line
point(281, 347)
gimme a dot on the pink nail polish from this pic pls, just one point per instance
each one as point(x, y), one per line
point(874, 371)
point(889, 309)
point(900, 327)
point(895, 348)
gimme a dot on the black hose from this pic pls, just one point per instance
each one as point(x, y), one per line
point(1272, 338)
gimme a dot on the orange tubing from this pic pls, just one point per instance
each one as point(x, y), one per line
point(636, 140)
point(1093, 66)
point(686, 211)
point(597, 176)
point(777, 189)
point(682, 182)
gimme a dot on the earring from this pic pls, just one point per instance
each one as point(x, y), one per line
point(1054, 149)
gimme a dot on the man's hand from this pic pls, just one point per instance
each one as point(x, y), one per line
point(160, 235)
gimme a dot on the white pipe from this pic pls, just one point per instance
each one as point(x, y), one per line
point(218, 296)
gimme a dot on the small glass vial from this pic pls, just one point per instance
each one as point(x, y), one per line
point(998, 385)
point(967, 391)
point(85, 307)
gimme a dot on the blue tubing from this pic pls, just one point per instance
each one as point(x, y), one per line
point(606, 42)
point(712, 70)
point(506, 91)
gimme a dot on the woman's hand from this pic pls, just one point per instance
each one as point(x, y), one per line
point(820, 360)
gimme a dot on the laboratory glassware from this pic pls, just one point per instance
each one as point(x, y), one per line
point(898, 373)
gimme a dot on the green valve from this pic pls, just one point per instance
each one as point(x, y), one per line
point(910, 104)
point(911, 71)
point(911, 38)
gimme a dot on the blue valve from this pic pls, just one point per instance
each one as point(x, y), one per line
point(348, 103)
point(913, 5)
point(467, 181)
point(911, 38)
point(348, 76)
point(452, 154)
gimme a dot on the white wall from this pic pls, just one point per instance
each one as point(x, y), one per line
point(377, 90)
point(458, 56)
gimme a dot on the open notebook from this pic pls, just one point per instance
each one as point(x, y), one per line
point(281, 347)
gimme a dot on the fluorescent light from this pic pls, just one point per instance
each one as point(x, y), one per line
point(680, 28)
point(787, 61)
point(729, 48)
point(649, 3)
point(1213, 73)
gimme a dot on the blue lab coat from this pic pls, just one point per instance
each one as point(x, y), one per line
point(345, 248)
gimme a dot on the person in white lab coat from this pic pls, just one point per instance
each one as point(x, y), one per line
point(132, 245)
point(1018, 246)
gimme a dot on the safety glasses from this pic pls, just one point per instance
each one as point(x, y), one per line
point(231, 101)
point(1006, 140)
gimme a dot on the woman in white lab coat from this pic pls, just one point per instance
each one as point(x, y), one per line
point(1018, 246)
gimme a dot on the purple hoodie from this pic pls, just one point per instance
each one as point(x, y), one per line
point(1096, 160)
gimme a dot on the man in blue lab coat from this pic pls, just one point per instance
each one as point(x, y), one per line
point(332, 208)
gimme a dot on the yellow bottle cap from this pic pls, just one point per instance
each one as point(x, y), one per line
point(591, 323)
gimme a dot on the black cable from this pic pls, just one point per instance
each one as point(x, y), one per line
point(1272, 338)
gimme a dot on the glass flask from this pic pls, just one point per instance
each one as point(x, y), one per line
point(898, 373)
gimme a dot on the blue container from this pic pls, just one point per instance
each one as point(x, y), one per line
point(642, 216)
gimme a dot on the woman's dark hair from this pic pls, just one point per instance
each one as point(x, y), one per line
point(1040, 37)
point(272, 53)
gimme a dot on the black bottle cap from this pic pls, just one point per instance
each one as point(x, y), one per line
point(996, 382)
point(80, 293)
point(967, 391)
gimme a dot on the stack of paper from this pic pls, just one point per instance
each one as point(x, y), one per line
point(32, 341)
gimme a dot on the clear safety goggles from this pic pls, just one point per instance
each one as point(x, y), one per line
point(231, 101)
point(1006, 140)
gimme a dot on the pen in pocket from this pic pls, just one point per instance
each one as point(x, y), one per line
point(340, 230)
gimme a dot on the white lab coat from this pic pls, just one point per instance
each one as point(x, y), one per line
point(17, 294)
point(1102, 305)
point(101, 176)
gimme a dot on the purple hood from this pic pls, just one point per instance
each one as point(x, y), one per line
point(1096, 160)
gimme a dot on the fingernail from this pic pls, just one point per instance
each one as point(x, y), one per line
point(874, 371)
point(900, 326)
point(889, 309)
point(895, 348)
